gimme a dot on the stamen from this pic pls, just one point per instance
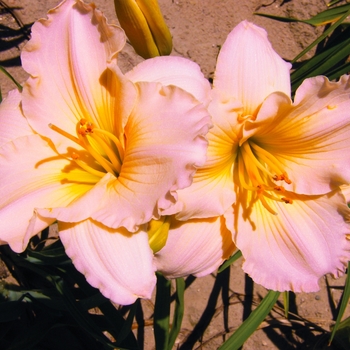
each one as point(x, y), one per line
point(117, 164)
point(241, 172)
point(283, 177)
point(257, 165)
point(246, 148)
point(115, 141)
point(101, 160)
point(84, 130)
point(287, 200)
point(266, 206)
point(86, 167)
point(64, 133)
point(268, 158)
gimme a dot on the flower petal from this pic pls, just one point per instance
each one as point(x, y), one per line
point(248, 69)
point(67, 59)
point(33, 176)
point(13, 123)
point(293, 249)
point(212, 191)
point(196, 247)
point(176, 71)
point(310, 138)
point(118, 263)
point(165, 143)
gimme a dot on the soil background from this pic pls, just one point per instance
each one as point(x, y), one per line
point(215, 307)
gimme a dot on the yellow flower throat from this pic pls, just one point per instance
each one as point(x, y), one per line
point(102, 145)
point(258, 170)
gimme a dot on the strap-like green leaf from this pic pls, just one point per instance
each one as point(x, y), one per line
point(247, 328)
point(344, 303)
point(230, 261)
point(322, 18)
point(162, 313)
point(178, 312)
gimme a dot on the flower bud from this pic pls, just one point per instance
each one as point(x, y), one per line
point(144, 26)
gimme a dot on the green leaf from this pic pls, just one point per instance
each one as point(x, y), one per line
point(230, 261)
point(247, 328)
point(323, 36)
point(342, 335)
point(329, 61)
point(178, 312)
point(322, 18)
point(344, 303)
point(162, 312)
point(19, 86)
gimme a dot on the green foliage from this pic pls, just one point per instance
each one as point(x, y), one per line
point(52, 304)
point(248, 327)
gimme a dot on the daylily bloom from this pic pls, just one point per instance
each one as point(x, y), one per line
point(145, 27)
point(275, 166)
point(102, 155)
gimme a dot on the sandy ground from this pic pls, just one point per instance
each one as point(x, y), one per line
point(199, 27)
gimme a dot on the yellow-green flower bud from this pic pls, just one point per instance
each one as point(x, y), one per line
point(144, 26)
point(158, 233)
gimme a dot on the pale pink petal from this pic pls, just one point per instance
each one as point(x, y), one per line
point(117, 262)
point(165, 143)
point(34, 176)
point(170, 70)
point(248, 69)
point(67, 59)
point(295, 248)
point(345, 189)
point(13, 123)
point(212, 191)
point(196, 247)
point(311, 138)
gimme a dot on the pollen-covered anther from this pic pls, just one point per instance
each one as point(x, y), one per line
point(279, 188)
point(260, 188)
point(75, 156)
point(85, 127)
point(283, 177)
point(287, 200)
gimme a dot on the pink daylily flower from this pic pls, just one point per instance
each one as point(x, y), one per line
point(275, 166)
point(101, 154)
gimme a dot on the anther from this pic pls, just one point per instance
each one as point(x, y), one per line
point(283, 177)
point(287, 200)
point(279, 188)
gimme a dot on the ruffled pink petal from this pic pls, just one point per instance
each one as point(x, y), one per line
point(212, 191)
point(165, 143)
point(196, 247)
point(13, 123)
point(34, 176)
point(170, 70)
point(248, 69)
point(293, 249)
point(67, 59)
point(309, 138)
point(118, 263)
